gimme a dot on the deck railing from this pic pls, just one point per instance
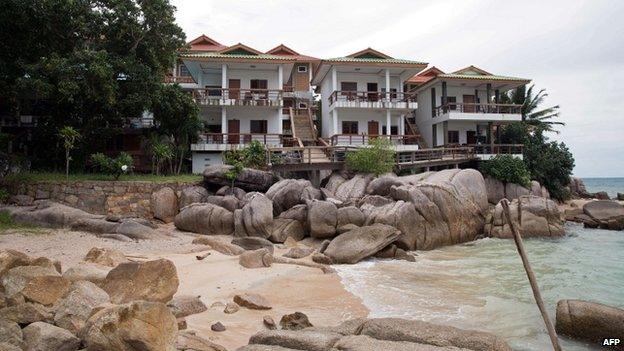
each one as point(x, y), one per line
point(495, 149)
point(363, 139)
point(240, 138)
point(423, 155)
point(371, 96)
point(306, 155)
point(179, 79)
point(477, 108)
point(257, 97)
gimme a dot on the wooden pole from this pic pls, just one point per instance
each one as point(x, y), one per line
point(529, 272)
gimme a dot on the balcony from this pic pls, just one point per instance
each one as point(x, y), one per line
point(478, 112)
point(488, 151)
point(238, 97)
point(373, 99)
point(226, 141)
point(180, 79)
point(400, 142)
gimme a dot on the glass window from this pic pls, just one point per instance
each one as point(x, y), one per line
point(184, 72)
point(302, 69)
point(452, 102)
point(348, 86)
point(258, 126)
point(349, 127)
point(258, 84)
point(453, 137)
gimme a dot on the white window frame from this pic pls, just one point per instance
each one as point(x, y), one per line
point(302, 69)
point(303, 105)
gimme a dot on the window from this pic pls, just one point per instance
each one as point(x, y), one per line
point(452, 102)
point(258, 84)
point(349, 127)
point(258, 126)
point(213, 90)
point(303, 105)
point(302, 69)
point(348, 86)
point(184, 72)
point(453, 137)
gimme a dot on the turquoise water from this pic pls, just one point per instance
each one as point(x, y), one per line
point(482, 285)
point(611, 185)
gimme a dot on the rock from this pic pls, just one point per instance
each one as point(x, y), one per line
point(374, 200)
point(321, 258)
point(42, 285)
point(394, 252)
point(256, 259)
point(534, 216)
point(352, 190)
point(205, 219)
point(253, 243)
point(333, 182)
point(193, 194)
point(217, 327)
point(396, 329)
point(75, 307)
point(186, 305)
point(46, 262)
point(252, 301)
point(297, 212)
point(9, 347)
point(155, 280)
point(324, 245)
point(135, 230)
point(495, 189)
point(266, 320)
point(219, 246)
point(26, 313)
point(11, 259)
point(290, 192)
point(105, 257)
point(118, 237)
point(236, 192)
point(601, 195)
point(139, 325)
point(229, 202)
point(256, 217)
point(295, 321)
point(231, 307)
point(286, 228)
point(514, 191)
point(607, 214)
point(299, 252)
point(403, 216)
point(89, 272)
point(181, 323)
point(11, 333)
point(345, 228)
point(355, 245)
point(40, 336)
point(95, 225)
point(589, 321)
point(188, 341)
point(366, 343)
point(381, 185)
point(164, 203)
point(51, 215)
point(322, 219)
point(290, 242)
point(298, 340)
point(350, 215)
point(577, 188)
point(248, 179)
point(21, 200)
point(620, 196)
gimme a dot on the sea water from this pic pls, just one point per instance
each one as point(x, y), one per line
point(482, 284)
point(611, 185)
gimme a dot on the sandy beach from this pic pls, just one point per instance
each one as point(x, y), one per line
point(217, 278)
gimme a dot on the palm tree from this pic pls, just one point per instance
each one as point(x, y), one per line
point(532, 115)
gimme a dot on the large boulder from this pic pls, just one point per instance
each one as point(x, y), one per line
point(40, 336)
point(290, 192)
point(229, 202)
point(495, 189)
point(297, 340)
point(75, 307)
point(382, 185)
point(358, 244)
point(139, 325)
point(577, 188)
point(11, 333)
point(26, 313)
point(353, 189)
point(533, 216)
point(256, 259)
point(297, 212)
point(205, 219)
point(248, 179)
point(253, 243)
point(38, 284)
point(186, 305)
point(607, 214)
point(401, 215)
point(514, 191)
point(155, 280)
point(12, 258)
point(589, 321)
point(52, 215)
point(105, 257)
point(164, 203)
point(192, 194)
point(350, 215)
point(255, 218)
point(322, 219)
point(286, 228)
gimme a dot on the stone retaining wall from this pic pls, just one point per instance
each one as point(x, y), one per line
point(122, 198)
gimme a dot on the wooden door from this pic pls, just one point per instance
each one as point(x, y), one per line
point(373, 128)
point(233, 131)
point(234, 86)
point(471, 137)
point(469, 103)
point(371, 89)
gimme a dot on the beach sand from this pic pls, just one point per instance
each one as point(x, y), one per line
point(217, 278)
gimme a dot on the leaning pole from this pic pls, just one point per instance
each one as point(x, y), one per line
point(529, 272)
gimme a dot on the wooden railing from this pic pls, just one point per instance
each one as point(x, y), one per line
point(240, 138)
point(371, 96)
point(477, 108)
point(436, 154)
point(493, 149)
point(266, 97)
point(363, 139)
point(179, 79)
point(277, 156)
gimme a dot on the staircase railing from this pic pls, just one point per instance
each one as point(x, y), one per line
point(296, 139)
point(416, 132)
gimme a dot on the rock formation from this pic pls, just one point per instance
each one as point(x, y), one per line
point(533, 216)
point(248, 180)
point(205, 219)
point(589, 321)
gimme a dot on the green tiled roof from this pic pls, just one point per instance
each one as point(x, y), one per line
point(235, 55)
point(375, 60)
point(480, 77)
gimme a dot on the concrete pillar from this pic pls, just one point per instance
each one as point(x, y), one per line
point(223, 120)
point(335, 121)
point(334, 79)
point(224, 80)
point(280, 77)
point(445, 132)
point(388, 121)
point(402, 125)
point(444, 97)
point(387, 85)
point(280, 126)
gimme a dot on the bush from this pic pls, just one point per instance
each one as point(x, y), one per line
point(377, 158)
point(550, 163)
point(113, 166)
point(4, 196)
point(507, 169)
point(251, 156)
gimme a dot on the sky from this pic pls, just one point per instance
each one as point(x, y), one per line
point(573, 49)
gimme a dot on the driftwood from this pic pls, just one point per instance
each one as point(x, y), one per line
point(529, 272)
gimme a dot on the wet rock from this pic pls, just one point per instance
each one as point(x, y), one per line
point(219, 246)
point(589, 321)
point(290, 192)
point(534, 216)
point(155, 280)
point(248, 179)
point(295, 321)
point(267, 321)
point(186, 305)
point(105, 257)
point(193, 194)
point(42, 285)
point(322, 219)
point(286, 228)
point(217, 327)
point(205, 219)
point(164, 203)
point(299, 252)
point(256, 217)
point(40, 336)
point(252, 301)
point(256, 259)
point(355, 245)
point(75, 307)
point(231, 307)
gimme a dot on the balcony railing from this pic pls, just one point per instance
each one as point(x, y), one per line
point(371, 96)
point(463, 107)
point(435, 154)
point(491, 149)
point(363, 139)
point(240, 138)
point(244, 97)
point(180, 79)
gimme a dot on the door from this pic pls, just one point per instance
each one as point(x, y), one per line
point(471, 137)
point(233, 131)
point(373, 128)
point(234, 85)
point(469, 103)
point(372, 93)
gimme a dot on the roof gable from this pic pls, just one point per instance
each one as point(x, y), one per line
point(240, 49)
point(472, 71)
point(205, 43)
point(282, 50)
point(369, 53)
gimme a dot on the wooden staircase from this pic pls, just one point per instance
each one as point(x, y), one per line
point(412, 129)
point(302, 126)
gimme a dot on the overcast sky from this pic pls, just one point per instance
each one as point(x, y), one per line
point(573, 49)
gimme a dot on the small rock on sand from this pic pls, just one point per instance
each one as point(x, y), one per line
point(252, 301)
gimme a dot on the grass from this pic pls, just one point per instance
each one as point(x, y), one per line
point(9, 225)
point(78, 177)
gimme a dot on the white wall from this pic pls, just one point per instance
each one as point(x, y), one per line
point(362, 116)
point(201, 160)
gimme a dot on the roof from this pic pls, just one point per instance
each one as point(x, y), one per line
point(468, 73)
point(283, 50)
point(236, 55)
point(205, 43)
point(426, 75)
point(370, 55)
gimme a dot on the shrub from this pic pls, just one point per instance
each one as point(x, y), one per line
point(251, 156)
point(4, 196)
point(377, 158)
point(113, 166)
point(550, 163)
point(507, 169)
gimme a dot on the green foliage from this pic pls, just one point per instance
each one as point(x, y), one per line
point(550, 163)
point(507, 169)
point(251, 156)
point(69, 136)
point(377, 158)
point(161, 152)
point(532, 115)
point(7, 223)
point(113, 166)
point(514, 133)
point(4, 195)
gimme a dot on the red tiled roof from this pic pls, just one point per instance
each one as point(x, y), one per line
point(426, 75)
point(205, 43)
point(283, 50)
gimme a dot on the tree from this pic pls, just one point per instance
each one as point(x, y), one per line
point(161, 152)
point(69, 136)
point(532, 114)
point(177, 116)
point(507, 169)
point(115, 166)
point(376, 158)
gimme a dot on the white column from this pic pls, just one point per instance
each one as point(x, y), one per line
point(388, 121)
point(280, 129)
point(223, 120)
point(334, 79)
point(335, 121)
point(388, 86)
point(402, 124)
point(224, 80)
point(175, 70)
point(280, 77)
